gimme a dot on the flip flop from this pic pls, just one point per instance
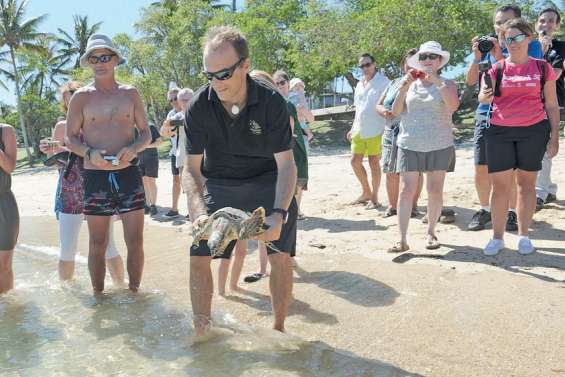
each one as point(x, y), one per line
point(414, 213)
point(390, 212)
point(433, 244)
point(358, 201)
point(254, 277)
point(398, 248)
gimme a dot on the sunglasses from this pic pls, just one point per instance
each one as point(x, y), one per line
point(366, 65)
point(281, 83)
point(93, 59)
point(423, 57)
point(224, 74)
point(517, 38)
point(173, 99)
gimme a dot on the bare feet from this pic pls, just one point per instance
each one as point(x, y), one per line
point(399, 247)
point(363, 199)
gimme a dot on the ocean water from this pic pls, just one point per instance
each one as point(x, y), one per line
point(53, 329)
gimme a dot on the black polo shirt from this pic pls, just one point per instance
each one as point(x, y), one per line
point(240, 148)
point(555, 56)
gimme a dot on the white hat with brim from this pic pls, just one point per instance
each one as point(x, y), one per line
point(431, 47)
point(295, 81)
point(99, 42)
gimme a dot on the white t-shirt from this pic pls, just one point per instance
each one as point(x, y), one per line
point(181, 150)
point(367, 122)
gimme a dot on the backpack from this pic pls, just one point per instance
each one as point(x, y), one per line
point(500, 68)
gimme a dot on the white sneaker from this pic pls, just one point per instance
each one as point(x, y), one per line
point(493, 247)
point(525, 246)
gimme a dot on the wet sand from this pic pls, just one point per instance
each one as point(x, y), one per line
point(447, 312)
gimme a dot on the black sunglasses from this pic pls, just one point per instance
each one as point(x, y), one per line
point(224, 74)
point(366, 65)
point(281, 83)
point(173, 99)
point(93, 59)
point(423, 57)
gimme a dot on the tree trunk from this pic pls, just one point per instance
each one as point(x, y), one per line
point(20, 110)
point(351, 80)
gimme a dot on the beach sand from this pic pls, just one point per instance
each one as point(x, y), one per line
point(450, 312)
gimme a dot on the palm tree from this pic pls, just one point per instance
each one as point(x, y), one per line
point(76, 45)
point(17, 33)
point(43, 68)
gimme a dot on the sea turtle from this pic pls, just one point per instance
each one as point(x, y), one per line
point(228, 224)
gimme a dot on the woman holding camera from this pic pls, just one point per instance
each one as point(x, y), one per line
point(425, 140)
point(69, 200)
point(524, 117)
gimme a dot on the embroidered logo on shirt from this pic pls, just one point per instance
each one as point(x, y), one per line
point(255, 128)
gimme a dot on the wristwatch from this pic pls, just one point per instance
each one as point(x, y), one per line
point(284, 213)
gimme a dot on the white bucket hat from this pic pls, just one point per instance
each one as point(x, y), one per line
point(431, 47)
point(295, 81)
point(98, 42)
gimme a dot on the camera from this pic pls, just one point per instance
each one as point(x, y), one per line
point(483, 68)
point(417, 74)
point(175, 124)
point(485, 44)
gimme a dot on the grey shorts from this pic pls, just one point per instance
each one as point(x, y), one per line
point(442, 159)
point(389, 149)
point(247, 196)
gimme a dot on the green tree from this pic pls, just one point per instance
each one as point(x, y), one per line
point(17, 33)
point(75, 45)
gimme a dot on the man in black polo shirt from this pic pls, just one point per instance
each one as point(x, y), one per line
point(547, 25)
point(239, 143)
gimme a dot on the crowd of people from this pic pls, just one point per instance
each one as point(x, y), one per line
point(242, 141)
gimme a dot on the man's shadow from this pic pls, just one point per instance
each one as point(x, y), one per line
point(262, 303)
point(296, 358)
point(355, 288)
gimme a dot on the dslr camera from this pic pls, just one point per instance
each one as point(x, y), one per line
point(485, 44)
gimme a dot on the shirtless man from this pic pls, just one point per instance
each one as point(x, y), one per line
point(107, 114)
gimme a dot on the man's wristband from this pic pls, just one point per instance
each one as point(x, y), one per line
point(282, 212)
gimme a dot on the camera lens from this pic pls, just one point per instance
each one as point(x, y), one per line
point(485, 44)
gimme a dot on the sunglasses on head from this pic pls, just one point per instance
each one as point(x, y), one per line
point(517, 38)
point(281, 82)
point(93, 59)
point(424, 56)
point(366, 65)
point(224, 74)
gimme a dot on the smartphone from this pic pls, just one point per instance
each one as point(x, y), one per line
point(484, 68)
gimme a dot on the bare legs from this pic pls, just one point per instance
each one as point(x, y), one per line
point(6, 272)
point(176, 192)
point(280, 285)
point(240, 251)
point(368, 192)
point(393, 187)
point(150, 187)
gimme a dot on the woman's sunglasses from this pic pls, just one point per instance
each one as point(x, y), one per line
point(517, 38)
point(423, 57)
point(93, 59)
point(224, 74)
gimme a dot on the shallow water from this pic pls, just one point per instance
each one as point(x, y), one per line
point(49, 329)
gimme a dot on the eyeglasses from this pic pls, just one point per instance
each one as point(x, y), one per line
point(93, 59)
point(184, 99)
point(366, 65)
point(517, 38)
point(173, 99)
point(224, 74)
point(281, 83)
point(423, 57)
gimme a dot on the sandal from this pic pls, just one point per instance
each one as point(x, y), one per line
point(254, 277)
point(358, 201)
point(372, 205)
point(390, 212)
point(433, 244)
point(398, 248)
point(414, 213)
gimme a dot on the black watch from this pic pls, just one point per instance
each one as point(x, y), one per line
point(283, 212)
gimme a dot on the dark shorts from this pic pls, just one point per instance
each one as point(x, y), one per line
point(248, 196)
point(110, 192)
point(174, 168)
point(480, 148)
point(149, 163)
point(516, 147)
point(9, 221)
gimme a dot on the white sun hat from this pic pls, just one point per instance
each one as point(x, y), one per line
point(99, 42)
point(431, 47)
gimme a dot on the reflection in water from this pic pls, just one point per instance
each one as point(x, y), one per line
point(49, 329)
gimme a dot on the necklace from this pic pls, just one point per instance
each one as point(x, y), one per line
point(235, 109)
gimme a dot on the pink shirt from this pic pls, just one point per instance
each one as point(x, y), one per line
point(520, 102)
